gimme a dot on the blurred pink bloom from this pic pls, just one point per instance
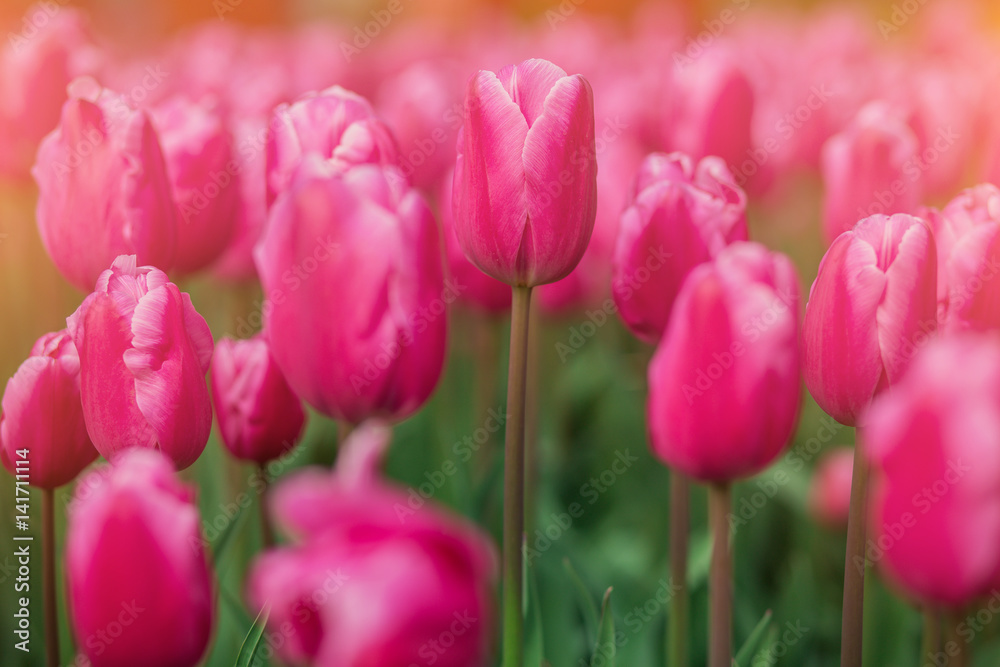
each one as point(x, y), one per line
point(830, 494)
point(259, 417)
point(680, 214)
point(144, 352)
point(135, 559)
point(525, 193)
point(724, 384)
point(934, 445)
point(872, 305)
point(103, 187)
point(42, 414)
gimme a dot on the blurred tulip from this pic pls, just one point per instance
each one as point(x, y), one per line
point(679, 216)
point(144, 352)
point(724, 383)
point(336, 124)
point(525, 181)
point(378, 579)
point(869, 168)
point(259, 417)
point(103, 188)
point(42, 415)
point(204, 180)
point(135, 559)
point(934, 447)
point(830, 495)
point(872, 305)
point(382, 353)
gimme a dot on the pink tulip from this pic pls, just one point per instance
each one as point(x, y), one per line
point(376, 579)
point(42, 420)
point(869, 168)
point(934, 446)
point(724, 384)
point(135, 561)
point(259, 417)
point(335, 124)
point(103, 189)
point(204, 179)
point(525, 180)
point(872, 305)
point(679, 216)
point(830, 495)
point(380, 351)
point(144, 352)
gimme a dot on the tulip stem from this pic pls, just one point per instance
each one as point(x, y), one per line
point(932, 634)
point(266, 532)
point(513, 482)
point(720, 649)
point(49, 578)
point(680, 491)
point(956, 645)
point(532, 454)
point(852, 618)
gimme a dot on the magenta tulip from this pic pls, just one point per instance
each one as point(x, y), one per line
point(375, 579)
point(144, 352)
point(872, 305)
point(525, 180)
point(934, 447)
point(830, 494)
point(103, 189)
point(380, 351)
point(680, 215)
point(724, 383)
point(42, 420)
point(259, 417)
point(135, 561)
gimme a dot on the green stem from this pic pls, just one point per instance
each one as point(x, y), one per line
point(532, 460)
point(266, 531)
point(962, 649)
point(513, 483)
point(677, 633)
point(720, 650)
point(51, 611)
point(931, 644)
point(852, 618)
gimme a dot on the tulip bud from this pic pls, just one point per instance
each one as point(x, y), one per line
point(724, 386)
point(103, 189)
point(872, 305)
point(42, 421)
point(525, 178)
point(934, 447)
point(144, 352)
point(679, 216)
point(382, 353)
point(830, 495)
point(259, 417)
point(867, 169)
point(135, 560)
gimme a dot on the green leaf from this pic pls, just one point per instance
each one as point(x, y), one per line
point(534, 647)
point(252, 641)
point(237, 608)
point(587, 604)
point(604, 652)
point(227, 536)
point(753, 641)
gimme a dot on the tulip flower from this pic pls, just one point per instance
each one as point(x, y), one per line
point(336, 124)
point(525, 179)
point(869, 168)
point(934, 447)
point(373, 578)
point(135, 560)
point(42, 421)
point(204, 180)
point(259, 417)
point(680, 215)
point(872, 305)
point(382, 354)
point(830, 495)
point(103, 188)
point(144, 352)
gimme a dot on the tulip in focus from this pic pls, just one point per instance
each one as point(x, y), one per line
point(724, 384)
point(681, 214)
point(42, 414)
point(144, 352)
point(830, 495)
point(135, 560)
point(873, 304)
point(259, 417)
point(525, 180)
